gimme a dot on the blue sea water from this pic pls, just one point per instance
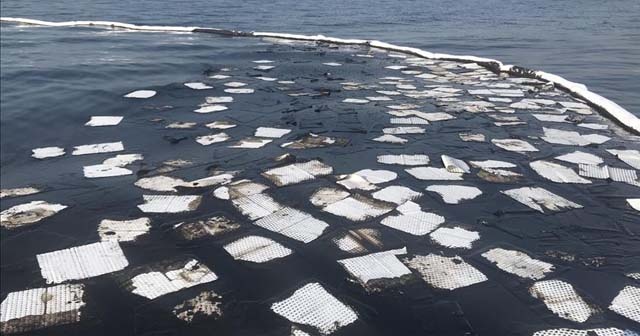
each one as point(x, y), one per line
point(592, 42)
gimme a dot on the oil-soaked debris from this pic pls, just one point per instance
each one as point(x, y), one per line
point(297, 172)
point(104, 170)
point(256, 249)
point(408, 121)
point(28, 213)
point(293, 223)
point(551, 117)
point(377, 270)
point(379, 98)
point(634, 275)
point(562, 300)
point(47, 152)
point(557, 172)
point(390, 139)
point(579, 108)
point(123, 230)
point(356, 241)
point(404, 159)
point(454, 165)
point(296, 331)
point(472, 137)
point(216, 179)
point(256, 205)
point(312, 305)
point(492, 164)
point(496, 92)
point(17, 192)
point(396, 194)
point(579, 157)
point(366, 179)
point(271, 132)
point(628, 176)
point(389, 93)
point(166, 167)
point(212, 226)
point(251, 142)
point(524, 104)
point(82, 262)
point(235, 84)
point(355, 101)
point(436, 116)
point(594, 126)
point(325, 196)
point(264, 67)
point(206, 304)
point(169, 184)
point(453, 194)
point(514, 145)
point(239, 90)
point(220, 125)
point(171, 277)
point(38, 308)
point(536, 198)
point(561, 255)
point(561, 137)
point(353, 207)
point(141, 94)
point(628, 156)
point(500, 117)
point(499, 175)
point(218, 100)
point(413, 220)
point(627, 303)
point(159, 183)
point(314, 141)
point(169, 203)
point(405, 87)
point(585, 332)
point(210, 108)
point(444, 272)
point(239, 189)
point(207, 140)
point(197, 86)
point(454, 237)
point(181, 125)
point(434, 174)
point(123, 160)
point(403, 130)
point(108, 147)
point(97, 121)
point(508, 123)
point(219, 76)
point(518, 263)
point(248, 198)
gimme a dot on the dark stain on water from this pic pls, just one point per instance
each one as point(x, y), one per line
point(47, 97)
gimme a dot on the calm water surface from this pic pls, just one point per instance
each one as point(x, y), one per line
point(592, 42)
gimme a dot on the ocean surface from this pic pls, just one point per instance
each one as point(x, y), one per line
point(53, 80)
point(592, 42)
